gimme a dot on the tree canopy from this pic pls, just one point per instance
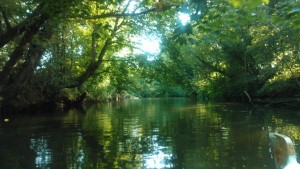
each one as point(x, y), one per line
point(224, 49)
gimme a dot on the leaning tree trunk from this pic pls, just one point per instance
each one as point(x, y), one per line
point(93, 66)
point(34, 54)
point(33, 57)
point(18, 53)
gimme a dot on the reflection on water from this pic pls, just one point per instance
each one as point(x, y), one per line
point(43, 153)
point(146, 133)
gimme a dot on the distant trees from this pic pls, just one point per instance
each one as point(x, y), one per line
point(233, 49)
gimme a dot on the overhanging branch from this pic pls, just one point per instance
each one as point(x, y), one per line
point(123, 14)
point(117, 15)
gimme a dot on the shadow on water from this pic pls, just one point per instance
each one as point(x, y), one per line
point(146, 133)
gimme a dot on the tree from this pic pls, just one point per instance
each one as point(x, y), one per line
point(40, 55)
point(238, 48)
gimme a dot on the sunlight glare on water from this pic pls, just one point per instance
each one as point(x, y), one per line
point(43, 153)
point(160, 157)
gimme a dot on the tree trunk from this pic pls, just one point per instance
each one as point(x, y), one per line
point(93, 66)
point(25, 75)
point(19, 51)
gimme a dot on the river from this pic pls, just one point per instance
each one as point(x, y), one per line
point(146, 133)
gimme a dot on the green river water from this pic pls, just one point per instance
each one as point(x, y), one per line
point(146, 133)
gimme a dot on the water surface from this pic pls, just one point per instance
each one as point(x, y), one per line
point(146, 133)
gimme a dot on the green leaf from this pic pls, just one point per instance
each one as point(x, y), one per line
point(146, 2)
point(236, 3)
point(276, 19)
point(296, 23)
point(249, 3)
point(159, 16)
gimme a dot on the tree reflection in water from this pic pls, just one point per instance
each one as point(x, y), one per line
point(146, 133)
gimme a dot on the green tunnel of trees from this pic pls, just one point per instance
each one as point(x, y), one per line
point(50, 51)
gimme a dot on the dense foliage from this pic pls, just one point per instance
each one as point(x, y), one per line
point(228, 49)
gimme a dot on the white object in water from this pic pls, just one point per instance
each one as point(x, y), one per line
point(283, 151)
